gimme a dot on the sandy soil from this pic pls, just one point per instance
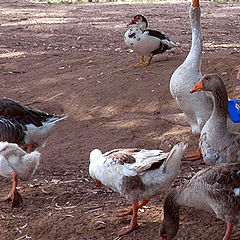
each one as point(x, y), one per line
point(71, 59)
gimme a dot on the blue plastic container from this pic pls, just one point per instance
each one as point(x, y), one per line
point(234, 110)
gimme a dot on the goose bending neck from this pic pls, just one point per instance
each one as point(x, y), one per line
point(170, 222)
point(195, 54)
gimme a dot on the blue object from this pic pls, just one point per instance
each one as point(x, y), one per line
point(234, 110)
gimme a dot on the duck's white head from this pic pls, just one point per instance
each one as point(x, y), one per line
point(140, 21)
point(94, 155)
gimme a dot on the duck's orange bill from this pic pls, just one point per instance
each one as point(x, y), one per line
point(197, 87)
point(195, 3)
point(163, 238)
point(98, 183)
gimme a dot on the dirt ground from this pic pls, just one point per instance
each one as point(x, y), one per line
point(71, 59)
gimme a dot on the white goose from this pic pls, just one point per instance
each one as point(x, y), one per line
point(145, 41)
point(196, 107)
point(16, 163)
point(137, 174)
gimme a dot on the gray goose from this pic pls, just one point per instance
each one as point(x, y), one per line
point(215, 189)
point(20, 124)
point(137, 174)
point(217, 144)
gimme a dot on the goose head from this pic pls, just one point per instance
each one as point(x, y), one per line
point(210, 82)
point(168, 230)
point(140, 21)
point(170, 224)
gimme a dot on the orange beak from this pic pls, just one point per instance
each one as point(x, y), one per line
point(198, 87)
point(98, 183)
point(163, 238)
point(195, 3)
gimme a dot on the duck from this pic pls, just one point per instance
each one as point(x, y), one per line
point(17, 164)
point(145, 41)
point(20, 124)
point(137, 174)
point(215, 189)
point(217, 144)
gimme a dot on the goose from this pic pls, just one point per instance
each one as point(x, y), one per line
point(18, 123)
point(137, 174)
point(145, 41)
point(215, 189)
point(217, 144)
point(16, 163)
point(197, 108)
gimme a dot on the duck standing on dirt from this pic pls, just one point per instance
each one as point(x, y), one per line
point(145, 41)
point(215, 189)
point(216, 143)
point(17, 163)
point(137, 174)
point(19, 123)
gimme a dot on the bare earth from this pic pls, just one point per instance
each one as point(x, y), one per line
point(71, 59)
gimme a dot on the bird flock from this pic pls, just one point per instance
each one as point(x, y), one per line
point(140, 174)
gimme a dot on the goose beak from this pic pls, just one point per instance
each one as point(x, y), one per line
point(98, 183)
point(195, 3)
point(198, 87)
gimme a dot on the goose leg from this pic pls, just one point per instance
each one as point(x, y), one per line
point(133, 223)
point(194, 156)
point(98, 183)
point(228, 232)
point(13, 194)
point(123, 213)
point(30, 147)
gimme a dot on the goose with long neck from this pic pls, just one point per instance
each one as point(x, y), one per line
point(215, 189)
point(217, 144)
point(196, 108)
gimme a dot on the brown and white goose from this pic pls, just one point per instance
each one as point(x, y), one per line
point(19, 123)
point(145, 41)
point(217, 144)
point(215, 189)
point(137, 174)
